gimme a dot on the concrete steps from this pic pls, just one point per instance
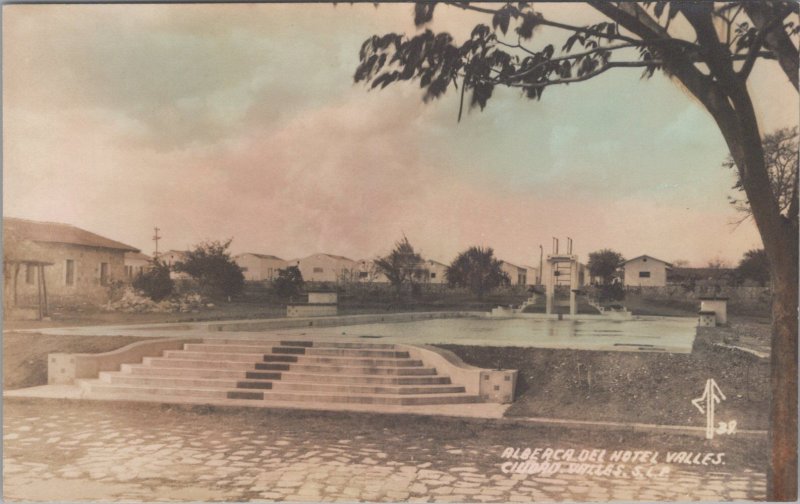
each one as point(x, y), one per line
point(238, 369)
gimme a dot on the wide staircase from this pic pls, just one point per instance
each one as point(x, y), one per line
point(299, 371)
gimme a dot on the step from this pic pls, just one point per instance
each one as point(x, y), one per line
point(343, 361)
point(345, 388)
point(159, 391)
point(116, 377)
point(289, 376)
point(227, 356)
point(264, 349)
point(297, 343)
point(349, 370)
point(156, 392)
point(352, 352)
point(145, 370)
point(196, 363)
point(389, 399)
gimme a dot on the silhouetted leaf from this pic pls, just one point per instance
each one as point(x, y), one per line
point(423, 12)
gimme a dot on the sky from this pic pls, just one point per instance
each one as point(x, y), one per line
point(242, 121)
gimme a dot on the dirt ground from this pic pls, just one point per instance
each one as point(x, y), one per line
point(630, 386)
point(25, 355)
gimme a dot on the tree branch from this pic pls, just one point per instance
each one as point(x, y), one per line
point(776, 40)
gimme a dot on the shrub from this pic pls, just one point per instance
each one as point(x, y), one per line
point(155, 283)
point(215, 271)
point(289, 282)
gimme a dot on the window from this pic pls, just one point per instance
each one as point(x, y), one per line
point(363, 274)
point(103, 273)
point(317, 270)
point(129, 271)
point(69, 272)
point(243, 268)
point(644, 274)
point(30, 274)
point(433, 275)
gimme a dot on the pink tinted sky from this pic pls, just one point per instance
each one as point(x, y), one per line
point(216, 121)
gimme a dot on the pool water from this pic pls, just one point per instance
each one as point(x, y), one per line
point(654, 334)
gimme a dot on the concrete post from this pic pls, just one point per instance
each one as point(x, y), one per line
point(573, 286)
point(548, 291)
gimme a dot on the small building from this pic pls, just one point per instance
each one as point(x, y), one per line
point(517, 274)
point(437, 272)
point(136, 263)
point(645, 271)
point(326, 268)
point(260, 267)
point(532, 275)
point(82, 264)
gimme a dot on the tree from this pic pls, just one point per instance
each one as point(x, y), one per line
point(478, 270)
point(713, 64)
point(155, 282)
point(781, 160)
point(289, 282)
point(754, 266)
point(604, 263)
point(403, 266)
point(211, 265)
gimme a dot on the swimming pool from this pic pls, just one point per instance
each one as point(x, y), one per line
point(655, 334)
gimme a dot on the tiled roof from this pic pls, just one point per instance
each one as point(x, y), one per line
point(648, 257)
point(137, 256)
point(262, 256)
point(54, 232)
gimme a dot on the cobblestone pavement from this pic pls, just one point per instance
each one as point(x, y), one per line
point(134, 452)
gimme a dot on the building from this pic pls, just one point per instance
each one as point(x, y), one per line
point(80, 264)
point(517, 274)
point(327, 268)
point(368, 272)
point(645, 271)
point(169, 258)
point(532, 275)
point(260, 267)
point(136, 263)
point(436, 271)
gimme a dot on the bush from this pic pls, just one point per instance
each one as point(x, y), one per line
point(289, 283)
point(215, 271)
point(155, 283)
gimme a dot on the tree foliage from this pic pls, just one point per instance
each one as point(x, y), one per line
point(289, 283)
point(604, 263)
point(709, 48)
point(782, 160)
point(211, 265)
point(478, 270)
point(155, 282)
point(402, 266)
point(754, 266)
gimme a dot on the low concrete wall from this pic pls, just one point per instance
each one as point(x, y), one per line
point(342, 320)
point(64, 368)
point(311, 310)
point(497, 386)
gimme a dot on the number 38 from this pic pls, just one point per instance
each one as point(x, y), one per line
point(726, 427)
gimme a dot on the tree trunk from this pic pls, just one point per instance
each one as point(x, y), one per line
point(782, 478)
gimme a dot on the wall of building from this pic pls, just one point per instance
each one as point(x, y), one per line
point(657, 271)
point(86, 273)
point(135, 267)
point(323, 268)
point(436, 272)
point(256, 268)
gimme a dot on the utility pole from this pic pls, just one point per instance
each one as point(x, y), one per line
point(156, 237)
point(541, 255)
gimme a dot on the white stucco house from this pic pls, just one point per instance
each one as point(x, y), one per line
point(326, 268)
point(517, 274)
point(436, 271)
point(645, 271)
point(259, 267)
